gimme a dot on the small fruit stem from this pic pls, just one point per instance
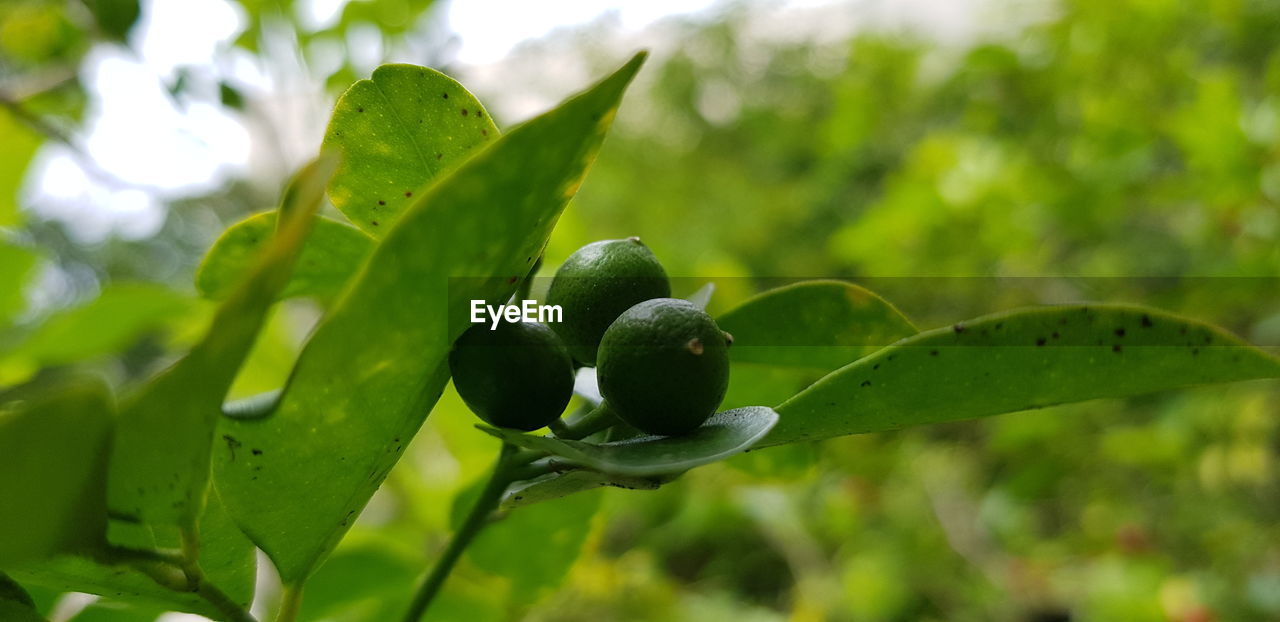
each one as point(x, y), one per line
point(290, 603)
point(558, 428)
point(476, 519)
point(600, 418)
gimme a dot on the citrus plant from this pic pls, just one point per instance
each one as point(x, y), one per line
point(159, 496)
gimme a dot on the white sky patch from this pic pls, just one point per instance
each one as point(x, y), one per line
point(191, 32)
point(490, 29)
point(148, 150)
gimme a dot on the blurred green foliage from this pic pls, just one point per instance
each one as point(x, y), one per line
point(1110, 138)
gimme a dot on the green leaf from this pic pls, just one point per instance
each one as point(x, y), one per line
point(1018, 360)
point(11, 611)
point(395, 132)
point(15, 604)
point(160, 464)
point(356, 576)
point(813, 324)
point(226, 558)
point(724, 434)
point(333, 252)
point(115, 17)
point(557, 485)
point(559, 531)
point(20, 144)
point(375, 366)
point(55, 437)
point(15, 265)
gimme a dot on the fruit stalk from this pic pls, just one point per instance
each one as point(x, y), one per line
point(600, 418)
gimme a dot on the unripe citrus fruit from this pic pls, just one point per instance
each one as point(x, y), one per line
point(596, 284)
point(518, 375)
point(664, 366)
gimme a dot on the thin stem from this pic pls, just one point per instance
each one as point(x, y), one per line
point(191, 557)
point(470, 528)
point(223, 603)
point(558, 427)
point(290, 604)
point(600, 418)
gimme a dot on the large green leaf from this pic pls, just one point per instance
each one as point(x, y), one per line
point(814, 324)
point(160, 464)
point(725, 434)
point(226, 558)
point(395, 132)
point(1018, 360)
point(332, 254)
point(295, 480)
point(55, 437)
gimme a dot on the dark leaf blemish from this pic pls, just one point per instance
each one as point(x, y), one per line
point(933, 353)
point(1119, 332)
point(866, 383)
point(1116, 348)
point(1146, 321)
point(1041, 341)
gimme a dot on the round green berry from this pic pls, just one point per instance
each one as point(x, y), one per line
point(517, 375)
point(664, 366)
point(596, 284)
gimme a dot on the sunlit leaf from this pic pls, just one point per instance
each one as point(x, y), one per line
point(160, 462)
point(724, 434)
point(1022, 359)
point(20, 144)
point(375, 366)
point(333, 252)
point(395, 132)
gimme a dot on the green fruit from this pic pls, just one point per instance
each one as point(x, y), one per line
point(518, 375)
point(596, 284)
point(664, 366)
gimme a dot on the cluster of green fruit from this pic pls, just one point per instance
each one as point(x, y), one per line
point(662, 363)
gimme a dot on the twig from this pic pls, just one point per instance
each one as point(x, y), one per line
point(475, 521)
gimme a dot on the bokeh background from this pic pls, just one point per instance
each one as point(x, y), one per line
point(1110, 139)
